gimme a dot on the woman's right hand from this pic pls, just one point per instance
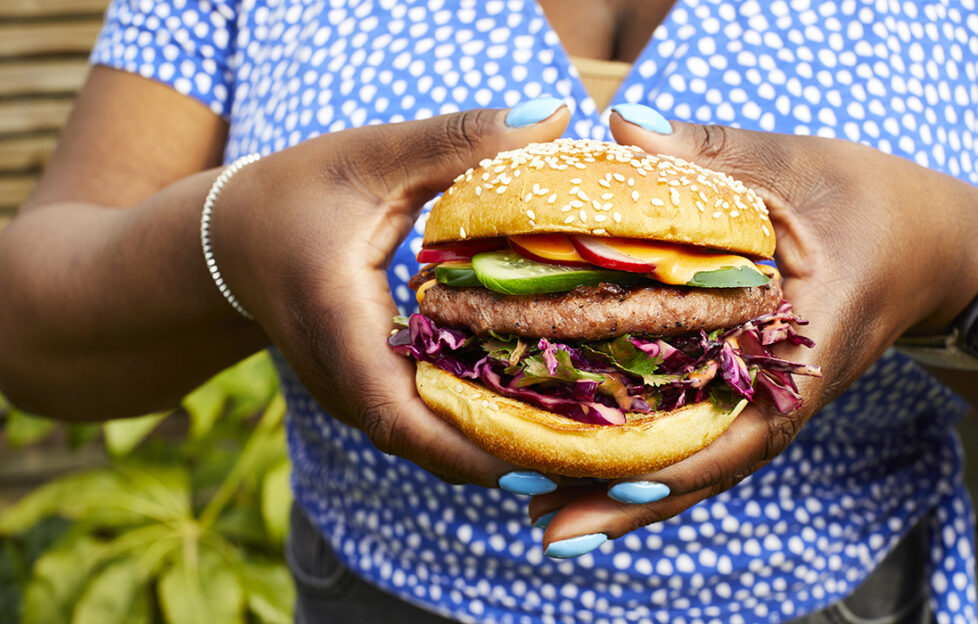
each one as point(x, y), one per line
point(303, 238)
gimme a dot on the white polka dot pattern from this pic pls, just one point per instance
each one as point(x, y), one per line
point(798, 535)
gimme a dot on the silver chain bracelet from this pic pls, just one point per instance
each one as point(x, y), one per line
point(205, 230)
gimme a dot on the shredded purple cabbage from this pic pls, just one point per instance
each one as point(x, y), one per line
point(599, 382)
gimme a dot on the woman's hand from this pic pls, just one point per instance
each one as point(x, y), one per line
point(304, 237)
point(870, 245)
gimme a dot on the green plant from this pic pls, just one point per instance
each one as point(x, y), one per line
point(178, 531)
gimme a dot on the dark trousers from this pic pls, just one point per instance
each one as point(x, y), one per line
point(329, 593)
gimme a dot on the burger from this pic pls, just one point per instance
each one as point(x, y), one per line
point(590, 310)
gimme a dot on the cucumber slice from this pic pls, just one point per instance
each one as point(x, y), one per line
point(456, 274)
point(729, 277)
point(511, 274)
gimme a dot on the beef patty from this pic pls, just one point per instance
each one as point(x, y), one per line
point(600, 312)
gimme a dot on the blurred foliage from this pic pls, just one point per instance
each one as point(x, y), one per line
point(176, 531)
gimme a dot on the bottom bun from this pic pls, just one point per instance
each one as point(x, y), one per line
point(534, 438)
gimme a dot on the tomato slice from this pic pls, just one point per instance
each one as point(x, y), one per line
point(669, 263)
point(548, 248)
point(459, 251)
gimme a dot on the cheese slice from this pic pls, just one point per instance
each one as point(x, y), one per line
point(677, 264)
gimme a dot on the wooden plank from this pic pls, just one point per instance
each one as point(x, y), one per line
point(48, 8)
point(32, 115)
point(54, 37)
point(42, 76)
point(26, 153)
point(14, 190)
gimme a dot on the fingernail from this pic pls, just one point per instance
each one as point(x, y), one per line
point(544, 520)
point(638, 492)
point(644, 117)
point(575, 546)
point(526, 483)
point(533, 111)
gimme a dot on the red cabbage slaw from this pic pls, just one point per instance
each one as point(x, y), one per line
point(599, 382)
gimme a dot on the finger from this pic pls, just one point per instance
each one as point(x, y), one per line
point(421, 158)
point(777, 167)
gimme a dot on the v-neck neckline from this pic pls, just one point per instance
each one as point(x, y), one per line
point(577, 85)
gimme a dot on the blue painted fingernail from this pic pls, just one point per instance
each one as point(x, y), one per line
point(544, 520)
point(638, 492)
point(575, 546)
point(534, 111)
point(526, 483)
point(644, 117)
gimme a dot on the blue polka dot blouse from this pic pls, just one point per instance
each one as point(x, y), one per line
point(798, 535)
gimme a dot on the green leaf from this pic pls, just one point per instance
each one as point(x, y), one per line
point(623, 354)
point(23, 429)
point(59, 577)
point(126, 495)
point(276, 500)
point(81, 434)
point(65, 497)
point(204, 406)
point(269, 590)
point(123, 435)
point(150, 547)
point(201, 591)
point(115, 596)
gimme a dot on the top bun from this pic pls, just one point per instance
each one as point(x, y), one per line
point(602, 189)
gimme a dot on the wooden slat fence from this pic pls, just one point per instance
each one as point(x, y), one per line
point(44, 46)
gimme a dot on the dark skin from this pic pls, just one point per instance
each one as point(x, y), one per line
point(88, 334)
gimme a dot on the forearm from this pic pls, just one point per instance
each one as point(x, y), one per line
point(109, 312)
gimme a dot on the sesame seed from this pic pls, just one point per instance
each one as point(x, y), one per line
point(674, 197)
point(604, 183)
point(575, 190)
point(566, 208)
point(575, 181)
point(461, 232)
point(531, 214)
point(478, 191)
point(583, 196)
point(607, 196)
point(631, 181)
point(734, 213)
point(576, 203)
point(619, 177)
point(583, 217)
point(716, 215)
point(599, 231)
point(606, 206)
point(765, 230)
point(569, 219)
point(617, 217)
point(502, 189)
point(600, 218)
point(528, 197)
point(635, 196)
point(596, 204)
point(700, 206)
point(658, 202)
point(552, 198)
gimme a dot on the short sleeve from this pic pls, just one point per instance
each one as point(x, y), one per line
point(185, 44)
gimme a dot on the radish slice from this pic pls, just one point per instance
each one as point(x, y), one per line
point(548, 248)
point(460, 251)
point(603, 252)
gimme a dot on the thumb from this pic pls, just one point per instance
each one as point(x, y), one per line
point(418, 159)
point(776, 166)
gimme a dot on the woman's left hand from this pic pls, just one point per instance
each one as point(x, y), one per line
point(871, 246)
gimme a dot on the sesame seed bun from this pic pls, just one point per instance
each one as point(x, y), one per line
point(601, 189)
point(539, 440)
